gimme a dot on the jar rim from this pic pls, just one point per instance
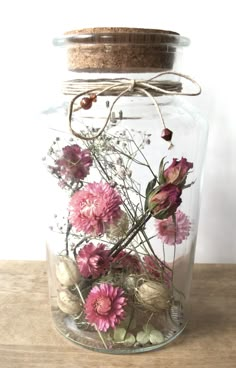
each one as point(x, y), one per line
point(121, 35)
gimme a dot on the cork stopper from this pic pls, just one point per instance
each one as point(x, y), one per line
point(121, 50)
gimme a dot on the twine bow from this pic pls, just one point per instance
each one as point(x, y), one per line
point(152, 88)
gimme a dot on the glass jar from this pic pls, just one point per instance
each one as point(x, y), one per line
point(125, 151)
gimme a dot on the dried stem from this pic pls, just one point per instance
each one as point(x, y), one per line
point(135, 229)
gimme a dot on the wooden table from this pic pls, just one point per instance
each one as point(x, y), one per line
point(29, 340)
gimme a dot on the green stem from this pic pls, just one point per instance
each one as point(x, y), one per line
point(85, 238)
point(129, 324)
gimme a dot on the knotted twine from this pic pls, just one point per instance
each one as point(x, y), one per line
point(151, 88)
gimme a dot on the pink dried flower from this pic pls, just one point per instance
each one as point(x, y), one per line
point(152, 265)
point(156, 269)
point(94, 207)
point(74, 163)
point(104, 306)
point(177, 172)
point(93, 260)
point(164, 200)
point(126, 261)
point(173, 234)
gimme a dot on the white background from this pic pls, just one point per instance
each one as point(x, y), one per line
point(27, 30)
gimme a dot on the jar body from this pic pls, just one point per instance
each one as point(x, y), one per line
point(122, 239)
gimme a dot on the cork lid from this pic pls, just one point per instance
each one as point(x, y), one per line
point(121, 49)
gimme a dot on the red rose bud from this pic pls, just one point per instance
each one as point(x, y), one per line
point(164, 201)
point(177, 172)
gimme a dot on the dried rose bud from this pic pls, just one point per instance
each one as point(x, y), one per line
point(68, 302)
point(164, 200)
point(177, 172)
point(153, 296)
point(67, 272)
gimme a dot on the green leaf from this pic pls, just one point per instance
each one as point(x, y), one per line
point(148, 328)
point(119, 334)
point(161, 172)
point(151, 186)
point(156, 337)
point(129, 340)
point(149, 190)
point(162, 214)
point(142, 337)
point(188, 185)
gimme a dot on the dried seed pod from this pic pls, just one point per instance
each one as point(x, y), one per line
point(119, 228)
point(153, 296)
point(130, 283)
point(67, 272)
point(68, 302)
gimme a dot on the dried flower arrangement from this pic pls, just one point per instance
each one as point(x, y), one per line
point(110, 280)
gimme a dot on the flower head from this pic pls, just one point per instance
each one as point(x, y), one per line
point(177, 172)
point(95, 207)
point(93, 260)
point(164, 200)
point(171, 232)
point(104, 306)
point(126, 261)
point(73, 164)
point(156, 269)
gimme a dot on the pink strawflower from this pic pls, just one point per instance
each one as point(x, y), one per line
point(94, 207)
point(157, 270)
point(104, 306)
point(126, 261)
point(93, 260)
point(74, 163)
point(173, 234)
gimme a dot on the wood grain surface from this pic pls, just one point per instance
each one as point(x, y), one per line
point(28, 338)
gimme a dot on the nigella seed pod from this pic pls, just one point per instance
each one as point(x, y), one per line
point(118, 229)
point(153, 296)
point(68, 302)
point(67, 272)
point(130, 283)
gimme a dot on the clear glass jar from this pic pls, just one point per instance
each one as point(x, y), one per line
point(124, 161)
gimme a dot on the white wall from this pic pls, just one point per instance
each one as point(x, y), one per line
point(28, 27)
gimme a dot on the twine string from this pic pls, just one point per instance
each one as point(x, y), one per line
point(152, 88)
